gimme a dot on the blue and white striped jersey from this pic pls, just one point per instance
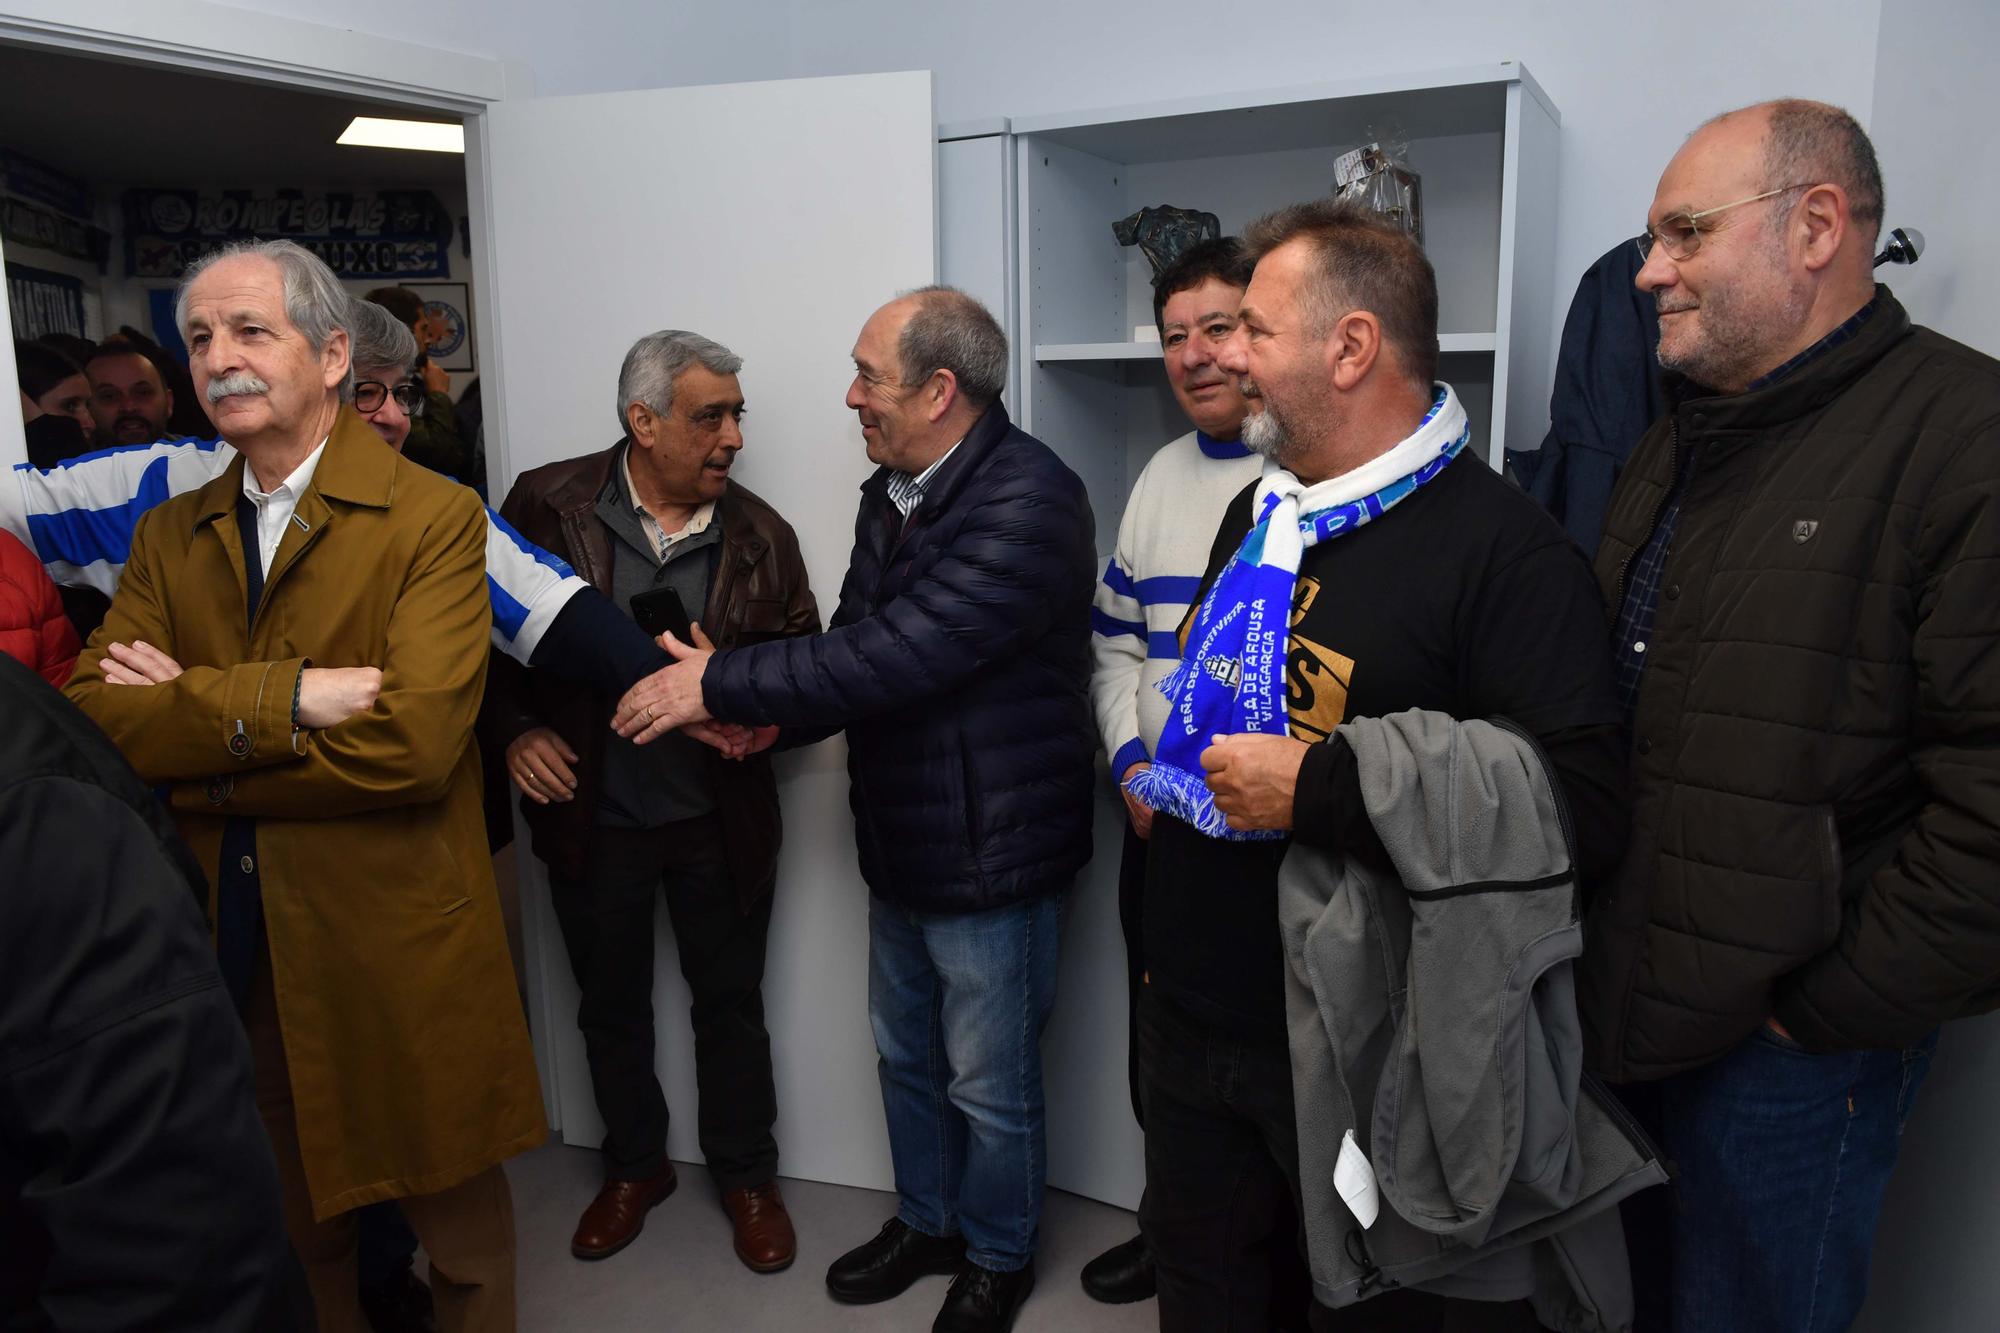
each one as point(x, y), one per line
point(78, 518)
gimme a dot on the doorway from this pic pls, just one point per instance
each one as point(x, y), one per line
point(108, 190)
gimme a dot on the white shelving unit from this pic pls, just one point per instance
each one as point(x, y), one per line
point(1025, 212)
point(1484, 140)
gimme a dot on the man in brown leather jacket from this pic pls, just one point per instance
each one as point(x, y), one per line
point(617, 823)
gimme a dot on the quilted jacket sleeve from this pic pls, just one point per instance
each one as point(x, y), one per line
point(33, 629)
point(996, 587)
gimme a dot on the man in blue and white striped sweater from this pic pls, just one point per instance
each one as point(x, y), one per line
point(1169, 525)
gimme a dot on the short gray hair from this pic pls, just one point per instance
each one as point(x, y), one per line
point(657, 360)
point(315, 302)
point(380, 340)
point(952, 331)
point(1810, 142)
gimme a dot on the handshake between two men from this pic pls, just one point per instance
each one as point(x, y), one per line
point(669, 699)
point(1251, 777)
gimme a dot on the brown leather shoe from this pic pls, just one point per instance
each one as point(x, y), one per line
point(765, 1241)
point(618, 1213)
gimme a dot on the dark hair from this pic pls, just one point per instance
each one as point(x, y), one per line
point(1222, 258)
point(119, 346)
point(1361, 261)
point(79, 350)
point(41, 367)
point(401, 302)
point(1810, 142)
point(952, 331)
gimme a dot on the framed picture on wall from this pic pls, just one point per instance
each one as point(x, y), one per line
point(449, 308)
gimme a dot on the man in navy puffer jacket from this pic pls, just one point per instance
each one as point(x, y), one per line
point(958, 666)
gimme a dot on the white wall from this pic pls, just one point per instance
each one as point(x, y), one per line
point(1630, 78)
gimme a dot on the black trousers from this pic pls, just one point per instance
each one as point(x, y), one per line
point(607, 926)
point(1221, 1204)
point(1131, 902)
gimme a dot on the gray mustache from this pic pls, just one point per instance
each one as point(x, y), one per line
point(231, 386)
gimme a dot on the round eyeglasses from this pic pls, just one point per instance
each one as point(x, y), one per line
point(369, 396)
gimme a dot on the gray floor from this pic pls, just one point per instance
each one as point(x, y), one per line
point(682, 1275)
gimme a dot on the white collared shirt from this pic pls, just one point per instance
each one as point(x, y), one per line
point(664, 541)
point(276, 506)
point(907, 492)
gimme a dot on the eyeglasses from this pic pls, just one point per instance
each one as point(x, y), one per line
point(1679, 234)
point(370, 394)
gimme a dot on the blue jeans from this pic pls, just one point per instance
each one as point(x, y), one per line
point(958, 1002)
point(1782, 1158)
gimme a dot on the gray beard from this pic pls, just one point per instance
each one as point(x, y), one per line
point(1740, 329)
point(1263, 432)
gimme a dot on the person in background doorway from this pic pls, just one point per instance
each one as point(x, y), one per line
point(53, 386)
point(434, 438)
point(129, 400)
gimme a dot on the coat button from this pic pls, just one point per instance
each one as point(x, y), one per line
point(239, 745)
point(1645, 746)
point(246, 865)
point(219, 789)
point(1673, 592)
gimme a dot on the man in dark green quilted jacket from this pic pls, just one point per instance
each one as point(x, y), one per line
point(1799, 560)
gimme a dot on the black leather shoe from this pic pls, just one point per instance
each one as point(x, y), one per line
point(1122, 1274)
point(887, 1265)
point(400, 1305)
point(983, 1301)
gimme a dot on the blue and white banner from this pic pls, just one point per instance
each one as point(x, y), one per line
point(370, 235)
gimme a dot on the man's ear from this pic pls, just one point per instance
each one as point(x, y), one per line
point(1352, 347)
point(1823, 219)
point(943, 390)
point(336, 358)
point(642, 425)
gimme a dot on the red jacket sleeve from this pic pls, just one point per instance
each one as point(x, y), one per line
point(33, 629)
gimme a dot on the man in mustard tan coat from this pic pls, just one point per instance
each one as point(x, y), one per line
point(296, 655)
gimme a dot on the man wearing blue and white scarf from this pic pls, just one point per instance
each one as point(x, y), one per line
point(1377, 565)
point(1229, 681)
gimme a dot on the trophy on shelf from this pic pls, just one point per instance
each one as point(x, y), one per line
point(1377, 176)
point(1163, 232)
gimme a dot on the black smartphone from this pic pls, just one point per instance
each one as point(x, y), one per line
point(659, 610)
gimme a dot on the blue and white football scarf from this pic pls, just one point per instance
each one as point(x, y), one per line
point(1231, 676)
